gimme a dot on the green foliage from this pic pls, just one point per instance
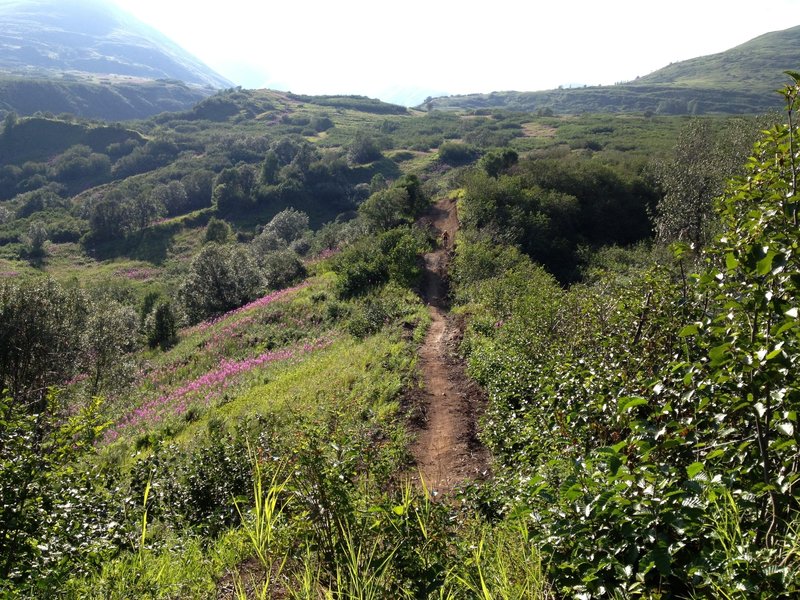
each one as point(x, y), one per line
point(647, 421)
point(288, 225)
point(39, 324)
point(232, 190)
point(390, 207)
point(498, 161)
point(363, 150)
point(371, 262)
point(80, 162)
point(218, 231)
point(162, 326)
point(174, 198)
point(550, 209)
point(384, 209)
point(36, 239)
point(360, 103)
point(704, 160)
point(54, 518)
point(457, 153)
point(220, 278)
point(281, 268)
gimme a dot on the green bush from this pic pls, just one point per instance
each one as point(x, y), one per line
point(371, 262)
point(220, 278)
point(646, 421)
point(457, 153)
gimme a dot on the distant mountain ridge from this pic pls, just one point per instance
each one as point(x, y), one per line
point(737, 81)
point(94, 59)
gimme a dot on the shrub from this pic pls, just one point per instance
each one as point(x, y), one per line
point(281, 268)
point(372, 262)
point(456, 153)
point(218, 231)
point(220, 278)
point(363, 150)
point(162, 326)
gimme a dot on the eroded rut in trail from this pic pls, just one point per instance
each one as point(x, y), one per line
point(447, 450)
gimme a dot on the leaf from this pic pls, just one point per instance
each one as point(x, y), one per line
point(764, 266)
point(631, 402)
point(693, 469)
point(775, 352)
point(689, 330)
point(398, 510)
point(794, 75)
point(731, 261)
point(717, 354)
point(786, 428)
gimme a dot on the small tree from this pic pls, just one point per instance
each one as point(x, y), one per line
point(282, 268)
point(363, 150)
point(457, 153)
point(220, 278)
point(172, 197)
point(217, 231)
point(109, 338)
point(385, 209)
point(36, 239)
point(288, 225)
point(498, 161)
point(9, 122)
point(162, 327)
point(703, 160)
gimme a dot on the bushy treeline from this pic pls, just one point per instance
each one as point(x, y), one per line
point(645, 419)
point(556, 210)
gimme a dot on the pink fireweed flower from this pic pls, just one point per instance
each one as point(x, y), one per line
point(263, 301)
point(203, 388)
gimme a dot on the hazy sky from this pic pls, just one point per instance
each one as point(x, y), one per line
point(405, 50)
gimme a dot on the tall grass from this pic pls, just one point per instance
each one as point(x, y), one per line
point(504, 565)
point(262, 526)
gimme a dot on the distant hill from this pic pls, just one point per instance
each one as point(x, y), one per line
point(757, 65)
point(92, 59)
point(737, 81)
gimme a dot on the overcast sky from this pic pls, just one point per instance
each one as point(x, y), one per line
point(405, 50)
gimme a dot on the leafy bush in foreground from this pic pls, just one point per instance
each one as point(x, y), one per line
point(648, 423)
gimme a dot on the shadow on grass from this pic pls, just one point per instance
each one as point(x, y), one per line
point(150, 245)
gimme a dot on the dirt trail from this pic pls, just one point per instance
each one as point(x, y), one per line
point(447, 451)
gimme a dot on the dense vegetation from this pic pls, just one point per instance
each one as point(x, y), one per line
point(209, 324)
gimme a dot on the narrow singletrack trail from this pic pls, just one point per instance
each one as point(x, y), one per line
point(446, 450)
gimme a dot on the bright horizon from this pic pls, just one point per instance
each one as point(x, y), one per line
point(406, 51)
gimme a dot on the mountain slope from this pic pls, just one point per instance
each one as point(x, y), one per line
point(757, 64)
point(93, 59)
point(93, 37)
point(737, 81)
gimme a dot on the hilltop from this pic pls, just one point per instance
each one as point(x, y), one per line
point(735, 82)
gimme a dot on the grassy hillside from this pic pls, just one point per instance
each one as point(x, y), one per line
point(756, 65)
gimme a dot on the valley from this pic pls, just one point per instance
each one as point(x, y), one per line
point(274, 345)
